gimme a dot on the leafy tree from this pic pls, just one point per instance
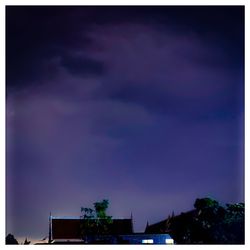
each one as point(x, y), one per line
point(234, 223)
point(220, 225)
point(210, 223)
point(95, 222)
point(10, 240)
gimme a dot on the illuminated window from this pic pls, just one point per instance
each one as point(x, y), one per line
point(148, 241)
point(169, 241)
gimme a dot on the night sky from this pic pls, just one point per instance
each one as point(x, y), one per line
point(143, 106)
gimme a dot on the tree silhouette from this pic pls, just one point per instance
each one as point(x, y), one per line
point(210, 223)
point(10, 240)
point(95, 222)
point(26, 242)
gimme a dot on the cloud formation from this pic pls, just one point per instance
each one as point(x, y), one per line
point(143, 112)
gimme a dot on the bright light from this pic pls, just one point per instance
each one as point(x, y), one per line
point(169, 241)
point(148, 241)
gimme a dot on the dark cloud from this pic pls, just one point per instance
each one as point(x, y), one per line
point(168, 72)
point(35, 34)
point(83, 66)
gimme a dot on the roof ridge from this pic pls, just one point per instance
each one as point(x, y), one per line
point(79, 217)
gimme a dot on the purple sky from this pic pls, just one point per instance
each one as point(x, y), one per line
point(143, 106)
